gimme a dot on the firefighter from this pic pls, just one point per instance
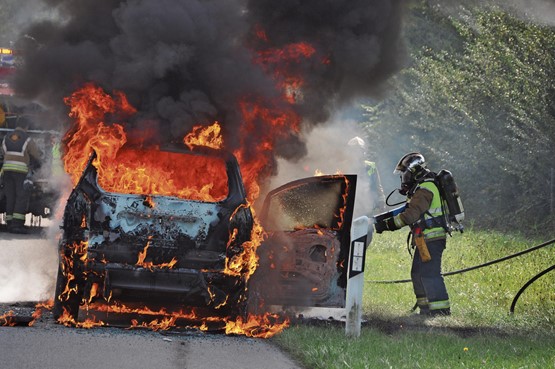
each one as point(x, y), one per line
point(424, 215)
point(56, 165)
point(18, 151)
point(375, 185)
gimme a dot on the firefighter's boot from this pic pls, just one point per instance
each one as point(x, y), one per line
point(440, 312)
point(423, 305)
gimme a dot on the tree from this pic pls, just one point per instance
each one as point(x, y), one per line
point(485, 111)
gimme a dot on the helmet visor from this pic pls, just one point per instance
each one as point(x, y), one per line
point(407, 178)
point(407, 181)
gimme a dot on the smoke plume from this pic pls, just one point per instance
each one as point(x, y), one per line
point(189, 62)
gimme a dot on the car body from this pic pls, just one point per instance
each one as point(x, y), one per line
point(168, 251)
point(152, 248)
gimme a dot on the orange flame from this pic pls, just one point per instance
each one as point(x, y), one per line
point(246, 262)
point(67, 261)
point(7, 320)
point(39, 308)
point(264, 326)
point(205, 136)
point(290, 52)
point(155, 325)
point(94, 290)
point(90, 106)
point(137, 171)
point(341, 215)
point(149, 264)
point(149, 202)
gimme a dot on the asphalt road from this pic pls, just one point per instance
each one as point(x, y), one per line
point(27, 273)
point(54, 346)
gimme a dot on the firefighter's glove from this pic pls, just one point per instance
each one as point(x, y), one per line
point(387, 224)
point(27, 185)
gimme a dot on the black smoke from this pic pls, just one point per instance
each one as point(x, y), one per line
point(187, 62)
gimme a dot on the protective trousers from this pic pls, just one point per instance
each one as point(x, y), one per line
point(17, 198)
point(427, 281)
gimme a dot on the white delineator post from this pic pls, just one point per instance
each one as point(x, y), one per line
point(355, 276)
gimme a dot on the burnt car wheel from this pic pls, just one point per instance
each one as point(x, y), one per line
point(69, 283)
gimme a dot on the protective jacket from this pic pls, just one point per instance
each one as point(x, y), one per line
point(18, 149)
point(424, 210)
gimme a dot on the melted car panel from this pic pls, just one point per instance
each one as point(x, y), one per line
point(303, 262)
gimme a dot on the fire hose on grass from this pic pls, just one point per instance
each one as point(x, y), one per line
point(532, 280)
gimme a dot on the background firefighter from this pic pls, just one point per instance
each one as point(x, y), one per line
point(377, 197)
point(424, 214)
point(18, 152)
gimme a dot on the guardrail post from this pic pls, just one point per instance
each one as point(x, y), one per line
point(355, 276)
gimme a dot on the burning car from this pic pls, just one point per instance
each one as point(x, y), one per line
point(161, 248)
point(188, 249)
point(169, 231)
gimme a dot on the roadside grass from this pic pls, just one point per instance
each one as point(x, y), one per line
point(480, 333)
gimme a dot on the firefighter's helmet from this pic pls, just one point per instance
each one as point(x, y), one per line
point(357, 142)
point(412, 168)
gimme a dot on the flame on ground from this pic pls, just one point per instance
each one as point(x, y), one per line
point(256, 326)
point(7, 320)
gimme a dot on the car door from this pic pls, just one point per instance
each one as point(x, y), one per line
point(303, 262)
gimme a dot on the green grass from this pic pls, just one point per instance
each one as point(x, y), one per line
point(480, 333)
point(326, 347)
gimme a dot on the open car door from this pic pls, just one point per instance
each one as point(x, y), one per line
point(303, 263)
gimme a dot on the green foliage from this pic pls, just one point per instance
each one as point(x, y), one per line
point(484, 110)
